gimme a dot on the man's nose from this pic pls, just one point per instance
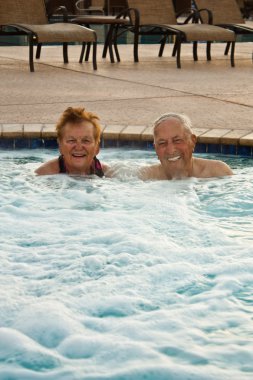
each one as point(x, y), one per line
point(170, 147)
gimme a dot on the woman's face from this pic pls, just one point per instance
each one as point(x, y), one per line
point(78, 146)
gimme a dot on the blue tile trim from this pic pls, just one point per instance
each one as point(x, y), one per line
point(229, 149)
point(244, 151)
point(232, 150)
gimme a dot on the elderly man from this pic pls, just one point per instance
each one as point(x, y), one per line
point(174, 144)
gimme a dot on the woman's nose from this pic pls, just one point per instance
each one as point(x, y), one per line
point(79, 144)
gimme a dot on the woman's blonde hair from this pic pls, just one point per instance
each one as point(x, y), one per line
point(76, 116)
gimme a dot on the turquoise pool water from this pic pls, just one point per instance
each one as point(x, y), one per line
point(124, 279)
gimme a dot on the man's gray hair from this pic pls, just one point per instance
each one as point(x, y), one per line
point(183, 120)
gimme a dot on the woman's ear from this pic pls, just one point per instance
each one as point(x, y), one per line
point(97, 149)
point(59, 145)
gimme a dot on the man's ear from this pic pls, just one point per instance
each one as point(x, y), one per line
point(194, 141)
point(154, 145)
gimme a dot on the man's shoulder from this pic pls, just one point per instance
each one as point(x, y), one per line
point(211, 168)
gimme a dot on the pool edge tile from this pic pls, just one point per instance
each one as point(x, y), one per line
point(132, 132)
point(213, 136)
point(12, 131)
point(48, 131)
point(112, 131)
point(247, 140)
point(33, 130)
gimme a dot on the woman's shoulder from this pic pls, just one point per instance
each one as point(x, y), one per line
point(48, 168)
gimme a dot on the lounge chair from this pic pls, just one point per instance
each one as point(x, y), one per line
point(28, 17)
point(181, 5)
point(90, 7)
point(158, 18)
point(109, 20)
point(226, 14)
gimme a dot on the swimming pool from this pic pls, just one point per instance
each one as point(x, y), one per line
point(124, 279)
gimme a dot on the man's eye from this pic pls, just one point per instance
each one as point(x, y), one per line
point(178, 141)
point(161, 143)
point(86, 141)
point(71, 141)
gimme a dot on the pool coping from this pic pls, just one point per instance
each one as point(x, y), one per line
point(228, 141)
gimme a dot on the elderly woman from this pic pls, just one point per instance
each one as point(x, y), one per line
point(78, 136)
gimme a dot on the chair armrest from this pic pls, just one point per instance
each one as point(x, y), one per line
point(209, 15)
point(53, 6)
point(195, 16)
point(64, 12)
point(133, 14)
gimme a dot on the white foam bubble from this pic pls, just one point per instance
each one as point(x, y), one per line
point(124, 279)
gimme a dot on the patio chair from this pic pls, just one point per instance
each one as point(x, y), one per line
point(28, 17)
point(226, 14)
point(158, 18)
point(181, 5)
point(108, 20)
point(90, 7)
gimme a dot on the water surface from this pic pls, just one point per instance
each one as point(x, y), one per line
point(124, 279)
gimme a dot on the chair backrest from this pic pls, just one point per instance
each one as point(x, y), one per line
point(22, 12)
point(154, 11)
point(224, 11)
point(181, 5)
point(52, 5)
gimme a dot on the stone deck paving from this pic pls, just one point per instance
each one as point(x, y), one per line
point(128, 96)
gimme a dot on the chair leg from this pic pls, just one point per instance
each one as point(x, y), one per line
point(227, 48)
point(65, 52)
point(82, 52)
point(115, 42)
point(87, 52)
point(38, 51)
point(163, 42)
point(208, 50)
point(116, 50)
point(105, 48)
point(195, 50)
point(178, 51)
point(107, 42)
point(111, 52)
point(30, 38)
point(94, 55)
point(136, 46)
point(232, 55)
point(174, 51)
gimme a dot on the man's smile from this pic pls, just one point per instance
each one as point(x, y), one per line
point(174, 158)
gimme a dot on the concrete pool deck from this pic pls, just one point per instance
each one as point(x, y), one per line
point(128, 96)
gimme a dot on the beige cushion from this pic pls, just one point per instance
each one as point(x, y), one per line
point(61, 32)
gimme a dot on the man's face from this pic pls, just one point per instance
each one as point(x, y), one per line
point(174, 146)
point(78, 146)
